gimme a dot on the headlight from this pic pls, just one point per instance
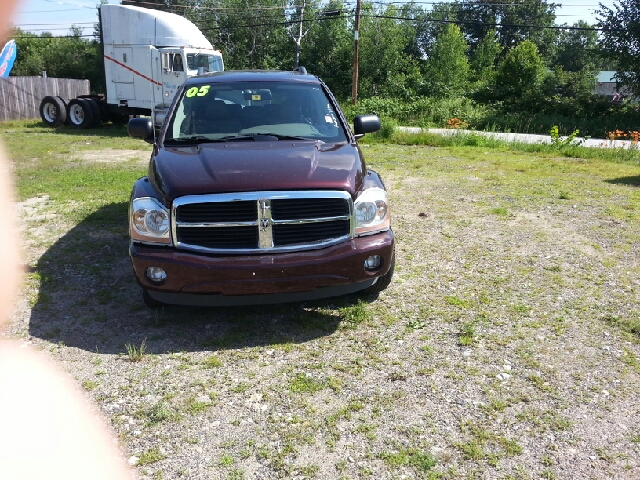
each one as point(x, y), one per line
point(150, 221)
point(372, 212)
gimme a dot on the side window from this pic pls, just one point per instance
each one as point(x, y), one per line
point(180, 123)
point(172, 62)
point(177, 63)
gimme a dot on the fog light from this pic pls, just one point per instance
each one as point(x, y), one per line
point(156, 275)
point(373, 262)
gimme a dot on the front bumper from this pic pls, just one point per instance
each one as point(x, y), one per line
point(197, 279)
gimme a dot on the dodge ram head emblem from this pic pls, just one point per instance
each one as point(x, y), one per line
point(265, 214)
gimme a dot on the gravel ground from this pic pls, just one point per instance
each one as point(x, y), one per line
point(501, 350)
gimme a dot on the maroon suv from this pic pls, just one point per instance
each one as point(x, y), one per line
point(257, 193)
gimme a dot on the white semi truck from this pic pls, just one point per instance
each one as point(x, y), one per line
point(148, 54)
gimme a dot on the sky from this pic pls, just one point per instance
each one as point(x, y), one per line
point(57, 16)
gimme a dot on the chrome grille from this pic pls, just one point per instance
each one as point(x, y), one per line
point(256, 222)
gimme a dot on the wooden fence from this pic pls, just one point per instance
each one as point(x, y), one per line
point(20, 97)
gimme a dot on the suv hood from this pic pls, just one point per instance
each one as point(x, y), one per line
point(244, 166)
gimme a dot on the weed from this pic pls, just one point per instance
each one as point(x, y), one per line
point(356, 314)
point(457, 302)
point(235, 474)
point(305, 383)
point(416, 324)
point(212, 362)
point(467, 335)
point(629, 324)
point(568, 141)
point(500, 211)
point(413, 457)
point(484, 443)
point(160, 412)
point(194, 406)
point(239, 388)
point(151, 455)
point(136, 354)
point(89, 385)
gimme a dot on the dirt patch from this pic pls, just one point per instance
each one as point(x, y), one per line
point(114, 156)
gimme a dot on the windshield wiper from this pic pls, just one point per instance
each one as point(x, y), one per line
point(191, 139)
point(259, 137)
point(288, 137)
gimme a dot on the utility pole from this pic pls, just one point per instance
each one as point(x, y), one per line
point(354, 87)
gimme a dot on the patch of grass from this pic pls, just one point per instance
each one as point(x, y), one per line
point(629, 357)
point(213, 361)
point(89, 385)
point(136, 354)
point(151, 455)
point(468, 334)
point(484, 444)
point(239, 388)
point(457, 302)
point(159, 412)
point(354, 315)
point(305, 383)
point(629, 324)
point(545, 420)
point(235, 474)
point(194, 406)
point(412, 457)
point(500, 211)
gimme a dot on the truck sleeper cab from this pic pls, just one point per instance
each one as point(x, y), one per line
point(257, 193)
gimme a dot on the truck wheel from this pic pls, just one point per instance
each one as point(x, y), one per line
point(383, 282)
point(53, 111)
point(79, 113)
point(97, 114)
point(149, 301)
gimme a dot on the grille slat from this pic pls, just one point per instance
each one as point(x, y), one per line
point(317, 218)
point(223, 237)
point(212, 212)
point(309, 232)
point(308, 208)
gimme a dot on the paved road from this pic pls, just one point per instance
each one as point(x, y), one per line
point(526, 137)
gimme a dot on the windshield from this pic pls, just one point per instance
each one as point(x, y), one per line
point(210, 63)
point(244, 110)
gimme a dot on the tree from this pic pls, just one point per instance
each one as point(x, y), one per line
point(249, 36)
point(519, 77)
point(447, 71)
point(485, 57)
point(577, 49)
point(386, 65)
point(328, 51)
point(620, 39)
point(518, 20)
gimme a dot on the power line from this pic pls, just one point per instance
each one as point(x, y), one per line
point(388, 17)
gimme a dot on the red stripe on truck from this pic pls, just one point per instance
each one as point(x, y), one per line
point(132, 70)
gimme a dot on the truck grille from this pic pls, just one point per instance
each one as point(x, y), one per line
point(256, 222)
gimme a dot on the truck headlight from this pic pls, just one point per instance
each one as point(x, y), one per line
point(372, 212)
point(150, 221)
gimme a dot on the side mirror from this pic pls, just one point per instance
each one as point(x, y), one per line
point(366, 124)
point(141, 128)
